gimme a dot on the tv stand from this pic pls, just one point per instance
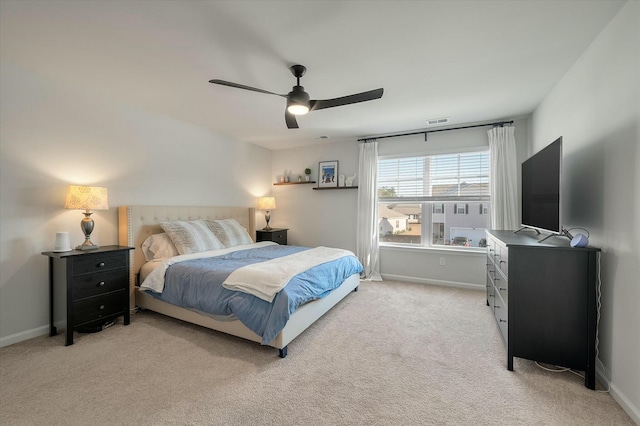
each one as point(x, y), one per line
point(526, 227)
point(563, 233)
point(543, 297)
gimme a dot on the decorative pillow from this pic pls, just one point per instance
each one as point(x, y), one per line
point(191, 236)
point(158, 246)
point(229, 232)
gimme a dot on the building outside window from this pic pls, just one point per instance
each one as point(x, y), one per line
point(435, 201)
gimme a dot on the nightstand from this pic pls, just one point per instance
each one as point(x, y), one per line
point(96, 284)
point(277, 235)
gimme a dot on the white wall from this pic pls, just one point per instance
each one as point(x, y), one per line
point(316, 218)
point(330, 217)
point(596, 108)
point(52, 136)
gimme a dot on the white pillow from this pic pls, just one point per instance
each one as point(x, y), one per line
point(191, 236)
point(158, 246)
point(229, 232)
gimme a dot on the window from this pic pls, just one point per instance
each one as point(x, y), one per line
point(461, 208)
point(431, 201)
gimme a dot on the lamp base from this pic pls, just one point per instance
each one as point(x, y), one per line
point(267, 228)
point(89, 246)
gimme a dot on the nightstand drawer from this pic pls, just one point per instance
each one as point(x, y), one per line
point(98, 263)
point(99, 283)
point(280, 238)
point(95, 308)
point(277, 235)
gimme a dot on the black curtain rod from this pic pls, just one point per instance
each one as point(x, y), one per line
point(424, 132)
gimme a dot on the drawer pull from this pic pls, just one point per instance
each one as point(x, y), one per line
point(101, 283)
point(501, 288)
point(501, 320)
point(496, 278)
point(102, 307)
point(101, 264)
point(502, 261)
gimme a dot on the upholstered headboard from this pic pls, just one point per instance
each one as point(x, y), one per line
point(136, 223)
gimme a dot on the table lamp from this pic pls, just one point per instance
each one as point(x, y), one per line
point(267, 203)
point(86, 198)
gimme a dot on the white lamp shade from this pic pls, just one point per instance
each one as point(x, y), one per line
point(86, 198)
point(266, 203)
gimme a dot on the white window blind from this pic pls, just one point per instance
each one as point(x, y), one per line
point(448, 177)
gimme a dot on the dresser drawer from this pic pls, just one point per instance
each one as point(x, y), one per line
point(95, 308)
point(88, 285)
point(502, 286)
point(88, 264)
point(501, 314)
point(490, 290)
point(503, 260)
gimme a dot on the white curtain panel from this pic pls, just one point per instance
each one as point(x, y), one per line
point(504, 178)
point(367, 232)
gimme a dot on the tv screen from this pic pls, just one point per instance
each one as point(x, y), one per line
point(541, 189)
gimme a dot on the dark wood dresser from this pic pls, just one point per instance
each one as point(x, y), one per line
point(96, 284)
point(543, 297)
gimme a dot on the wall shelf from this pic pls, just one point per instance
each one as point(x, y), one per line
point(335, 187)
point(293, 183)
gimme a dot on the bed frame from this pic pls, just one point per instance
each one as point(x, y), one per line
point(136, 223)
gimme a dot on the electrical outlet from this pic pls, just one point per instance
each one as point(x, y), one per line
point(443, 261)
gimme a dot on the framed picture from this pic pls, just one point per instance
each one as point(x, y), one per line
point(328, 174)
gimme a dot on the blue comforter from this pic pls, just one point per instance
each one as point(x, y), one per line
point(197, 284)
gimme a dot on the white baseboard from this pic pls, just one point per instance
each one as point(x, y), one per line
point(24, 335)
point(433, 282)
point(619, 397)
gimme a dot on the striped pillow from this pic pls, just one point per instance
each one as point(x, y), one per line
point(191, 236)
point(229, 232)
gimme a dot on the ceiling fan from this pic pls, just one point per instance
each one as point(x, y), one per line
point(299, 102)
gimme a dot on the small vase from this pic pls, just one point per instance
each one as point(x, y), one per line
point(307, 178)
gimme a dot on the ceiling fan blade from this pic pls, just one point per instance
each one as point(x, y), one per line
point(346, 100)
point(292, 123)
point(242, 86)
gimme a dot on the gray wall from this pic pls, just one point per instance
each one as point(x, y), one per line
point(595, 107)
point(52, 136)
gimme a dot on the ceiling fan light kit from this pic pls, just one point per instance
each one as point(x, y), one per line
point(299, 101)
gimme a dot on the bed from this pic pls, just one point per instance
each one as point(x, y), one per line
point(137, 223)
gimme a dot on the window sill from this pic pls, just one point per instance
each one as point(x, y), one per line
point(475, 251)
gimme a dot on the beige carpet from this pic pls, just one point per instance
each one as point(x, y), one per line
point(392, 353)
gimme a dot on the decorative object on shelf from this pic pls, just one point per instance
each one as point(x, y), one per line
point(327, 174)
point(299, 178)
point(267, 203)
point(86, 198)
point(350, 179)
point(62, 242)
point(341, 180)
point(307, 174)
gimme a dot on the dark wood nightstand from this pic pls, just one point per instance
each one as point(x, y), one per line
point(277, 235)
point(96, 283)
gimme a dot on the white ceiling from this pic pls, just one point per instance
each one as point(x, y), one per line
point(471, 61)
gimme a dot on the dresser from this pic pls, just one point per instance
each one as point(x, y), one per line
point(277, 235)
point(92, 287)
point(543, 297)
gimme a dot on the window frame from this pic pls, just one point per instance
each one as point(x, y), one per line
point(428, 206)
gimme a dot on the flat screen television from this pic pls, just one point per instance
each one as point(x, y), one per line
point(542, 189)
